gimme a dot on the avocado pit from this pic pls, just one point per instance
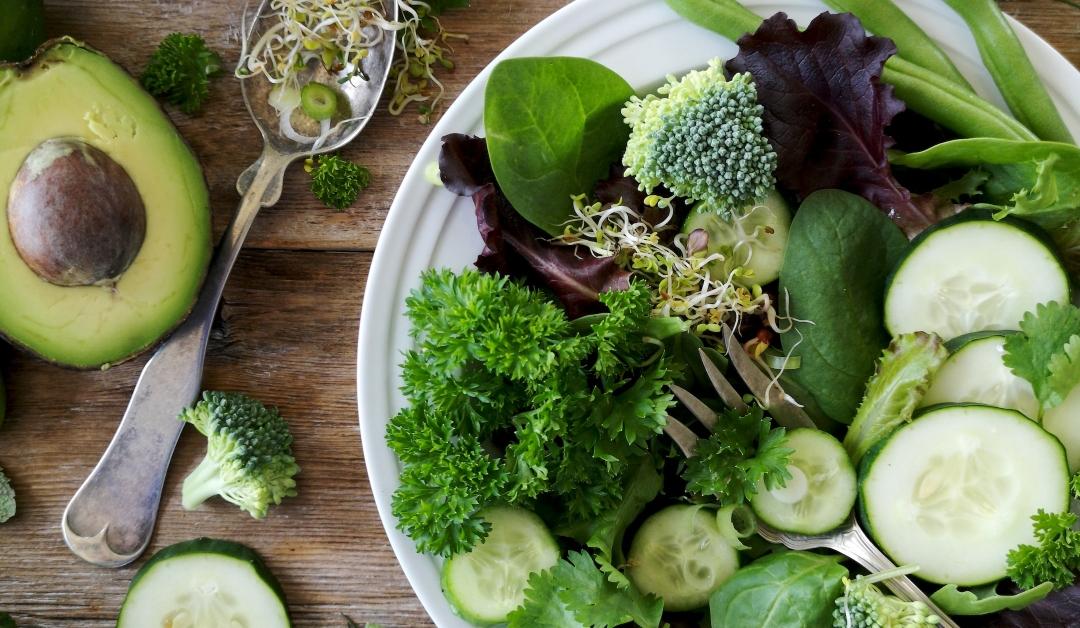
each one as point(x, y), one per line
point(75, 216)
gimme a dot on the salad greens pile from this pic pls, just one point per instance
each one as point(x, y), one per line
point(720, 308)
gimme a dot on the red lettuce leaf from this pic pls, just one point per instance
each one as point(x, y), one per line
point(826, 110)
point(513, 246)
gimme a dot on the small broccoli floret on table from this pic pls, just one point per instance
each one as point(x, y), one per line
point(180, 70)
point(863, 605)
point(701, 138)
point(249, 459)
point(7, 498)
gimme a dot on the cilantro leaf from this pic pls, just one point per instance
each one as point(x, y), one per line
point(542, 606)
point(743, 452)
point(576, 590)
point(1054, 559)
point(1064, 372)
point(1046, 332)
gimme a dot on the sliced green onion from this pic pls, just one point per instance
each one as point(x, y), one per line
point(736, 523)
point(783, 362)
point(318, 101)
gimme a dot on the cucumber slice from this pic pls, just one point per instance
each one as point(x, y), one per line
point(821, 491)
point(971, 273)
point(755, 241)
point(204, 583)
point(953, 491)
point(680, 555)
point(1063, 421)
point(975, 373)
point(318, 101)
point(487, 583)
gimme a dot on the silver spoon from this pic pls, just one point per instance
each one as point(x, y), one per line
point(110, 519)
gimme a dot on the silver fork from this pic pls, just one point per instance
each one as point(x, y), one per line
point(110, 519)
point(849, 539)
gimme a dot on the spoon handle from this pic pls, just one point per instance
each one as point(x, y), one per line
point(110, 519)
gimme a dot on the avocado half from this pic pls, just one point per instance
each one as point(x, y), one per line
point(105, 233)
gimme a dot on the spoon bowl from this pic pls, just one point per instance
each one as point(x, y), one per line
point(361, 95)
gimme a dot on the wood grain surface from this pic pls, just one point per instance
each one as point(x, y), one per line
point(286, 334)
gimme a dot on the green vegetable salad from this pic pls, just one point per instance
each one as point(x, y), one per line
point(817, 289)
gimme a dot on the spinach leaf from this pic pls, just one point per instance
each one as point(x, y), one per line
point(554, 126)
point(840, 250)
point(985, 599)
point(786, 590)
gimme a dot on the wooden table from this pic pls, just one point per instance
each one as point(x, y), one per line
point(286, 334)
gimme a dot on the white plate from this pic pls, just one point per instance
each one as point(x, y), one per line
point(643, 40)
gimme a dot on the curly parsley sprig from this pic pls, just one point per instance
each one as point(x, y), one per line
point(335, 181)
point(743, 452)
point(509, 401)
point(180, 70)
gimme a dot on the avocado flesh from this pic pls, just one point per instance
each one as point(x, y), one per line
point(68, 90)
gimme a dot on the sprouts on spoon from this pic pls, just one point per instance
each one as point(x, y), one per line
point(340, 35)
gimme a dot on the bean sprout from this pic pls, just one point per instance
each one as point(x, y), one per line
point(683, 281)
point(340, 34)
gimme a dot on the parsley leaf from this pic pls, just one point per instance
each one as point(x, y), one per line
point(575, 592)
point(743, 452)
point(1054, 559)
point(1041, 354)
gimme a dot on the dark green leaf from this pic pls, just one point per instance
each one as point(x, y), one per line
point(554, 126)
point(840, 251)
point(785, 590)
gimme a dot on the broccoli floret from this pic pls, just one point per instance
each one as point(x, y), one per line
point(702, 139)
point(180, 70)
point(249, 459)
point(335, 181)
point(7, 498)
point(863, 605)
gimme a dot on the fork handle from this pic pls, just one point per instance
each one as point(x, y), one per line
point(110, 519)
point(858, 547)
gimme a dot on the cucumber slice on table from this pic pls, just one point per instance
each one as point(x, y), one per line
point(681, 556)
point(971, 273)
point(954, 490)
point(487, 583)
point(756, 240)
point(204, 583)
point(821, 492)
point(975, 373)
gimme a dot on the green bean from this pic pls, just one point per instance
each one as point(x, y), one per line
point(726, 17)
point(933, 96)
point(1011, 69)
point(883, 17)
point(950, 105)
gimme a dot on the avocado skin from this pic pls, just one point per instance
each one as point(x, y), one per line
point(22, 29)
point(55, 52)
